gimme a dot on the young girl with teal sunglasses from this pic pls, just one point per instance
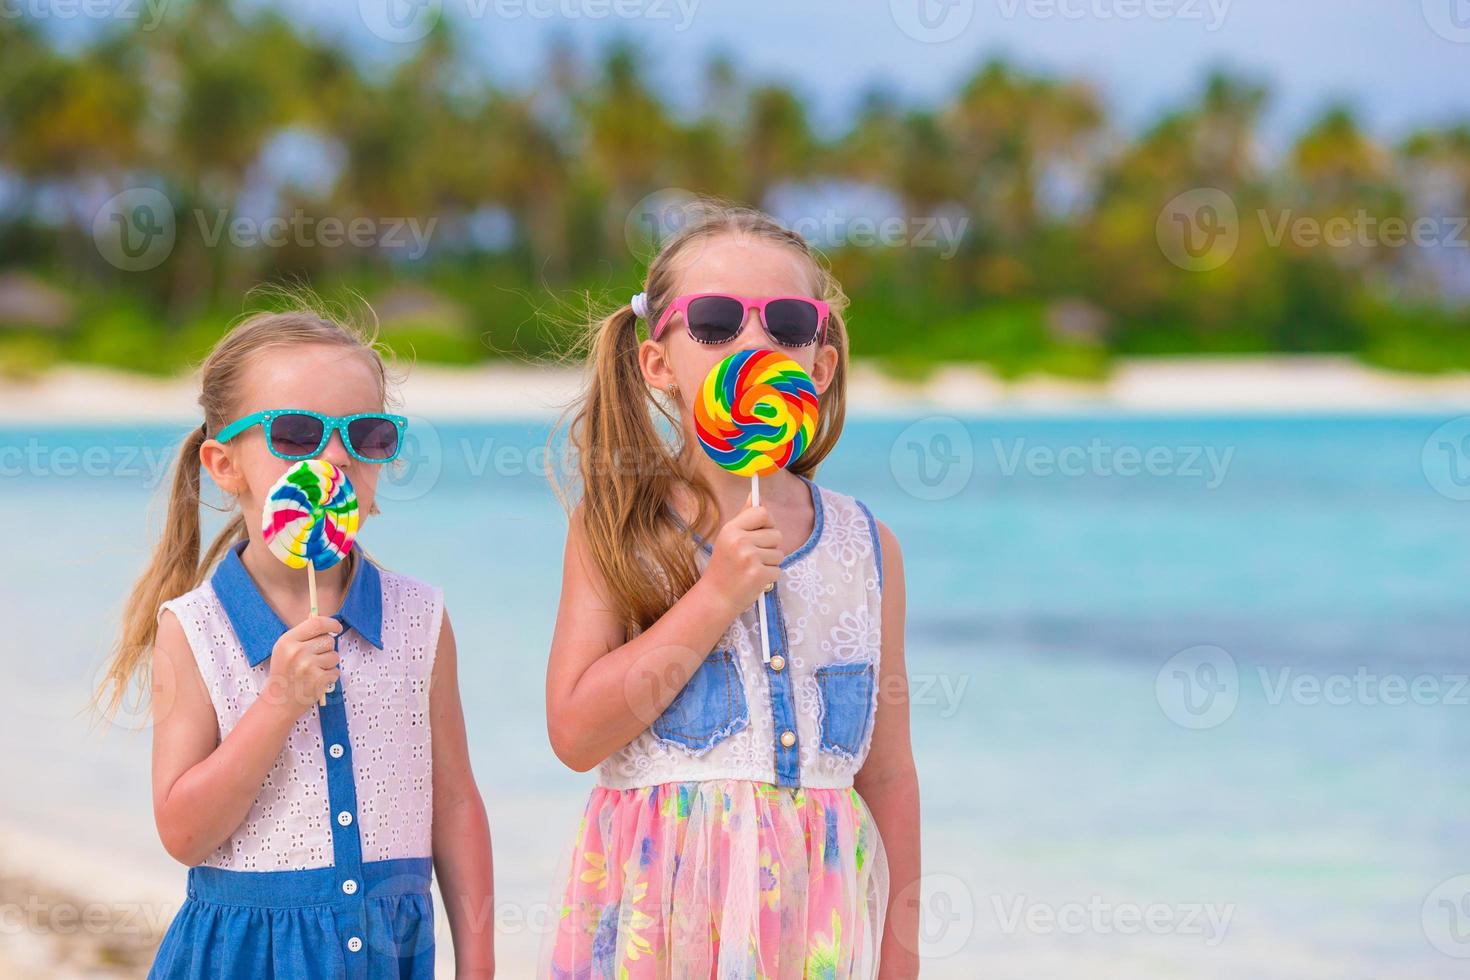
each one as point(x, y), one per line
point(311, 771)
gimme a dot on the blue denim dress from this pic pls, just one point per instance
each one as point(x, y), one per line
point(329, 874)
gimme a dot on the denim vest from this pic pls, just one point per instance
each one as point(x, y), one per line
point(805, 718)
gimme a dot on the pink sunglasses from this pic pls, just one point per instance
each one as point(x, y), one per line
point(718, 318)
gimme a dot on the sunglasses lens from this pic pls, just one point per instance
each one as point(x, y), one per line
point(296, 435)
point(792, 322)
point(715, 319)
point(373, 438)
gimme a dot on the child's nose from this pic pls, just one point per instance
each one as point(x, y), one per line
point(751, 323)
point(335, 451)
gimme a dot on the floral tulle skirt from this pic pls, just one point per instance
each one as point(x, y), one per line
point(724, 879)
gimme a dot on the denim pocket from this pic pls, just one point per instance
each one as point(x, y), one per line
point(847, 706)
point(709, 709)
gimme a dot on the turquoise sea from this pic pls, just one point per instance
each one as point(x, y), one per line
point(1190, 693)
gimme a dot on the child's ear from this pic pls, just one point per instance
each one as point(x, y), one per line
point(824, 367)
point(220, 466)
point(653, 361)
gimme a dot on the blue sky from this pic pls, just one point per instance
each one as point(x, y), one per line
point(1400, 63)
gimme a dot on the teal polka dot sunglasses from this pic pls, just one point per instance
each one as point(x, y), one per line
point(296, 433)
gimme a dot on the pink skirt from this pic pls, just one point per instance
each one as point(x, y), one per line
point(721, 879)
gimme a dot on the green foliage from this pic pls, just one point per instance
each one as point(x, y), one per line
point(1014, 340)
point(26, 356)
point(1416, 338)
point(200, 105)
point(127, 337)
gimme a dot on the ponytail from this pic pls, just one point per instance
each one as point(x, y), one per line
point(633, 472)
point(172, 571)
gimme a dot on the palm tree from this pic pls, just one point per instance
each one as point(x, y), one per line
point(1336, 161)
point(1007, 127)
point(627, 133)
point(777, 143)
point(70, 125)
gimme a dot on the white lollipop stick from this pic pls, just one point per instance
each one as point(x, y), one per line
point(311, 591)
point(760, 603)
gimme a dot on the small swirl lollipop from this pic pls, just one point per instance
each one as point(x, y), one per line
point(311, 519)
point(756, 413)
point(311, 516)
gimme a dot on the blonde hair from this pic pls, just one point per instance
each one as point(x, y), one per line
point(628, 470)
point(176, 566)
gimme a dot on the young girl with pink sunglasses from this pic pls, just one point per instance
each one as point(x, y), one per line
point(751, 818)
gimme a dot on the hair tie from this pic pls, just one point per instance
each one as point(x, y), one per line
point(639, 302)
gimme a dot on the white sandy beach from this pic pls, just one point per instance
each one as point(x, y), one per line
point(1274, 383)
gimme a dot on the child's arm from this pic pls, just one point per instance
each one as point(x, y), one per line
point(600, 691)
point(888, 781)
point(202, 787)
point(461, 832)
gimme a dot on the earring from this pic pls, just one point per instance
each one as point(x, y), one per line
point(673, 391)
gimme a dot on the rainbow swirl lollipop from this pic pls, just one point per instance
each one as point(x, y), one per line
point(311, 516)
point(756, 413)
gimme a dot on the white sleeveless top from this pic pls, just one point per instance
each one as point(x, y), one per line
point(354, 782)
point(806, 718)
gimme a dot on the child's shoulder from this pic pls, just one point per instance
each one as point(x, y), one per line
point(854, 532)
point(191, 605)
point(402, 586)
point(839, 506)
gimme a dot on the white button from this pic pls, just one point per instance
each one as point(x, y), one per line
point(331, 687)
point(336, 751)
point(778, 663)
point(344, 818)
point(354, 944)
point(349, 886)
point(788, 739)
